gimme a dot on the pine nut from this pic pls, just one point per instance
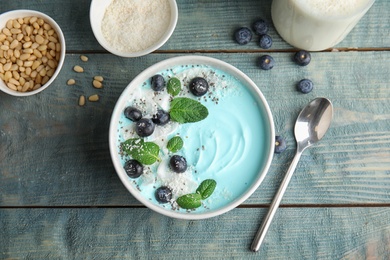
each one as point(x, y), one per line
point(25, 56)
point(93, 98)
point(28, 63)
point(12, 86)
point(97, 84)
point(13, 44)
point(50, 72)
point(14, 81)
point(9, 24)
point(7, 75)
point(78, 69)
point(7, 32)
point(26, 86)
point(33, 19)
point(16, 24)
point(16, 75)
point(81, 100)
point(45, 79)
point(83, 58)
point(17, 53)
point(7, 66)
point(51, 64)
point(71, 82)
point(98, 78)
point(15, 31)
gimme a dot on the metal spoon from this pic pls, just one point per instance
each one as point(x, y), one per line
point(311, 125)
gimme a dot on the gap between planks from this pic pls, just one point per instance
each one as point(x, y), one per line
point(236, 51)
point(362, 205)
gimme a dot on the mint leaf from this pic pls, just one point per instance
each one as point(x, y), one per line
point(190, 201)
point(206, 188)
point(144, 152)
point(175, 144)
point(174, 86)
point(186, 110)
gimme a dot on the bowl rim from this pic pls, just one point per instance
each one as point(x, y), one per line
point(158, 67)
point(94, 14)
point(19, 13)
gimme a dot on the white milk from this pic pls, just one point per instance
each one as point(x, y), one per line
point(316, 25)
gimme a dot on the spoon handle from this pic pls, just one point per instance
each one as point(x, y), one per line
point(260, 235)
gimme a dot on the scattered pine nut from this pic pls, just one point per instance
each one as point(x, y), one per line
point(83, 58)
point(71, 82)
point(97, 84)
point(81, 100)
point(98, 78)
point(93, 98)
point(78, 69)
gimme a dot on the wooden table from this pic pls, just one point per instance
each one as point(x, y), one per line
point(60, 197)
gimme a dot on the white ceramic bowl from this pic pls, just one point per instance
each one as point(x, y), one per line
point(259, 137)
point(97, 12)
point(26, 13)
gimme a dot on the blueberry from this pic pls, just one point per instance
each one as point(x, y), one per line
point(265, 41)
point(266, 62)
point(243, 35)
point(305, 86)
point(163, 194)
point(144, 127)
point(133, 168)
point(280, 144)
point(260, 27)
point(161, 118)
point(132, 113)
point(302, 58)
point(158, 82)
point(199, 86)
point(178, 163)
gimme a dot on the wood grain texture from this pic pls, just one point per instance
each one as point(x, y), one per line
point(60, 197)
point(204, 25)
point(315, 233)
point(72, 165)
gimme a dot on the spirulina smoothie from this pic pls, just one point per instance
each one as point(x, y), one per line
point(228, 146)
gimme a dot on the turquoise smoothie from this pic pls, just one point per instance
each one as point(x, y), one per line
point(229, 146)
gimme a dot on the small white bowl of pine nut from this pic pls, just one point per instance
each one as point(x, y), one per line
point(32, 52)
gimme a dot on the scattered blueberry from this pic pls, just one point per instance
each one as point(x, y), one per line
point(305, 86)
point(198, 86)
point(302, 58)
point(161, 118)
point(133, 168)
point(158, 82)
point(163, 194)
point(266, 62)
point(243, 35)
point(280, 144)
point(265, 41)
point(132, 113)
point(178, 163)
point(144, 127)
point(260, 27)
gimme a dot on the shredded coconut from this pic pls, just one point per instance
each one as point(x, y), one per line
point(134, 25)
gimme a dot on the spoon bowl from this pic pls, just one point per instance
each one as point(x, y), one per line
point(310, 127)
point(313, 122)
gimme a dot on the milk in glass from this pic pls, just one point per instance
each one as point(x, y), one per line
point(316, 25)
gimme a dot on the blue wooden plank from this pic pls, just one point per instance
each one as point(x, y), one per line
point(204, 25)
point(311, 233)
point(54, 152)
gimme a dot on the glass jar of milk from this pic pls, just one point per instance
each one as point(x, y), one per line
point(316, 25)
